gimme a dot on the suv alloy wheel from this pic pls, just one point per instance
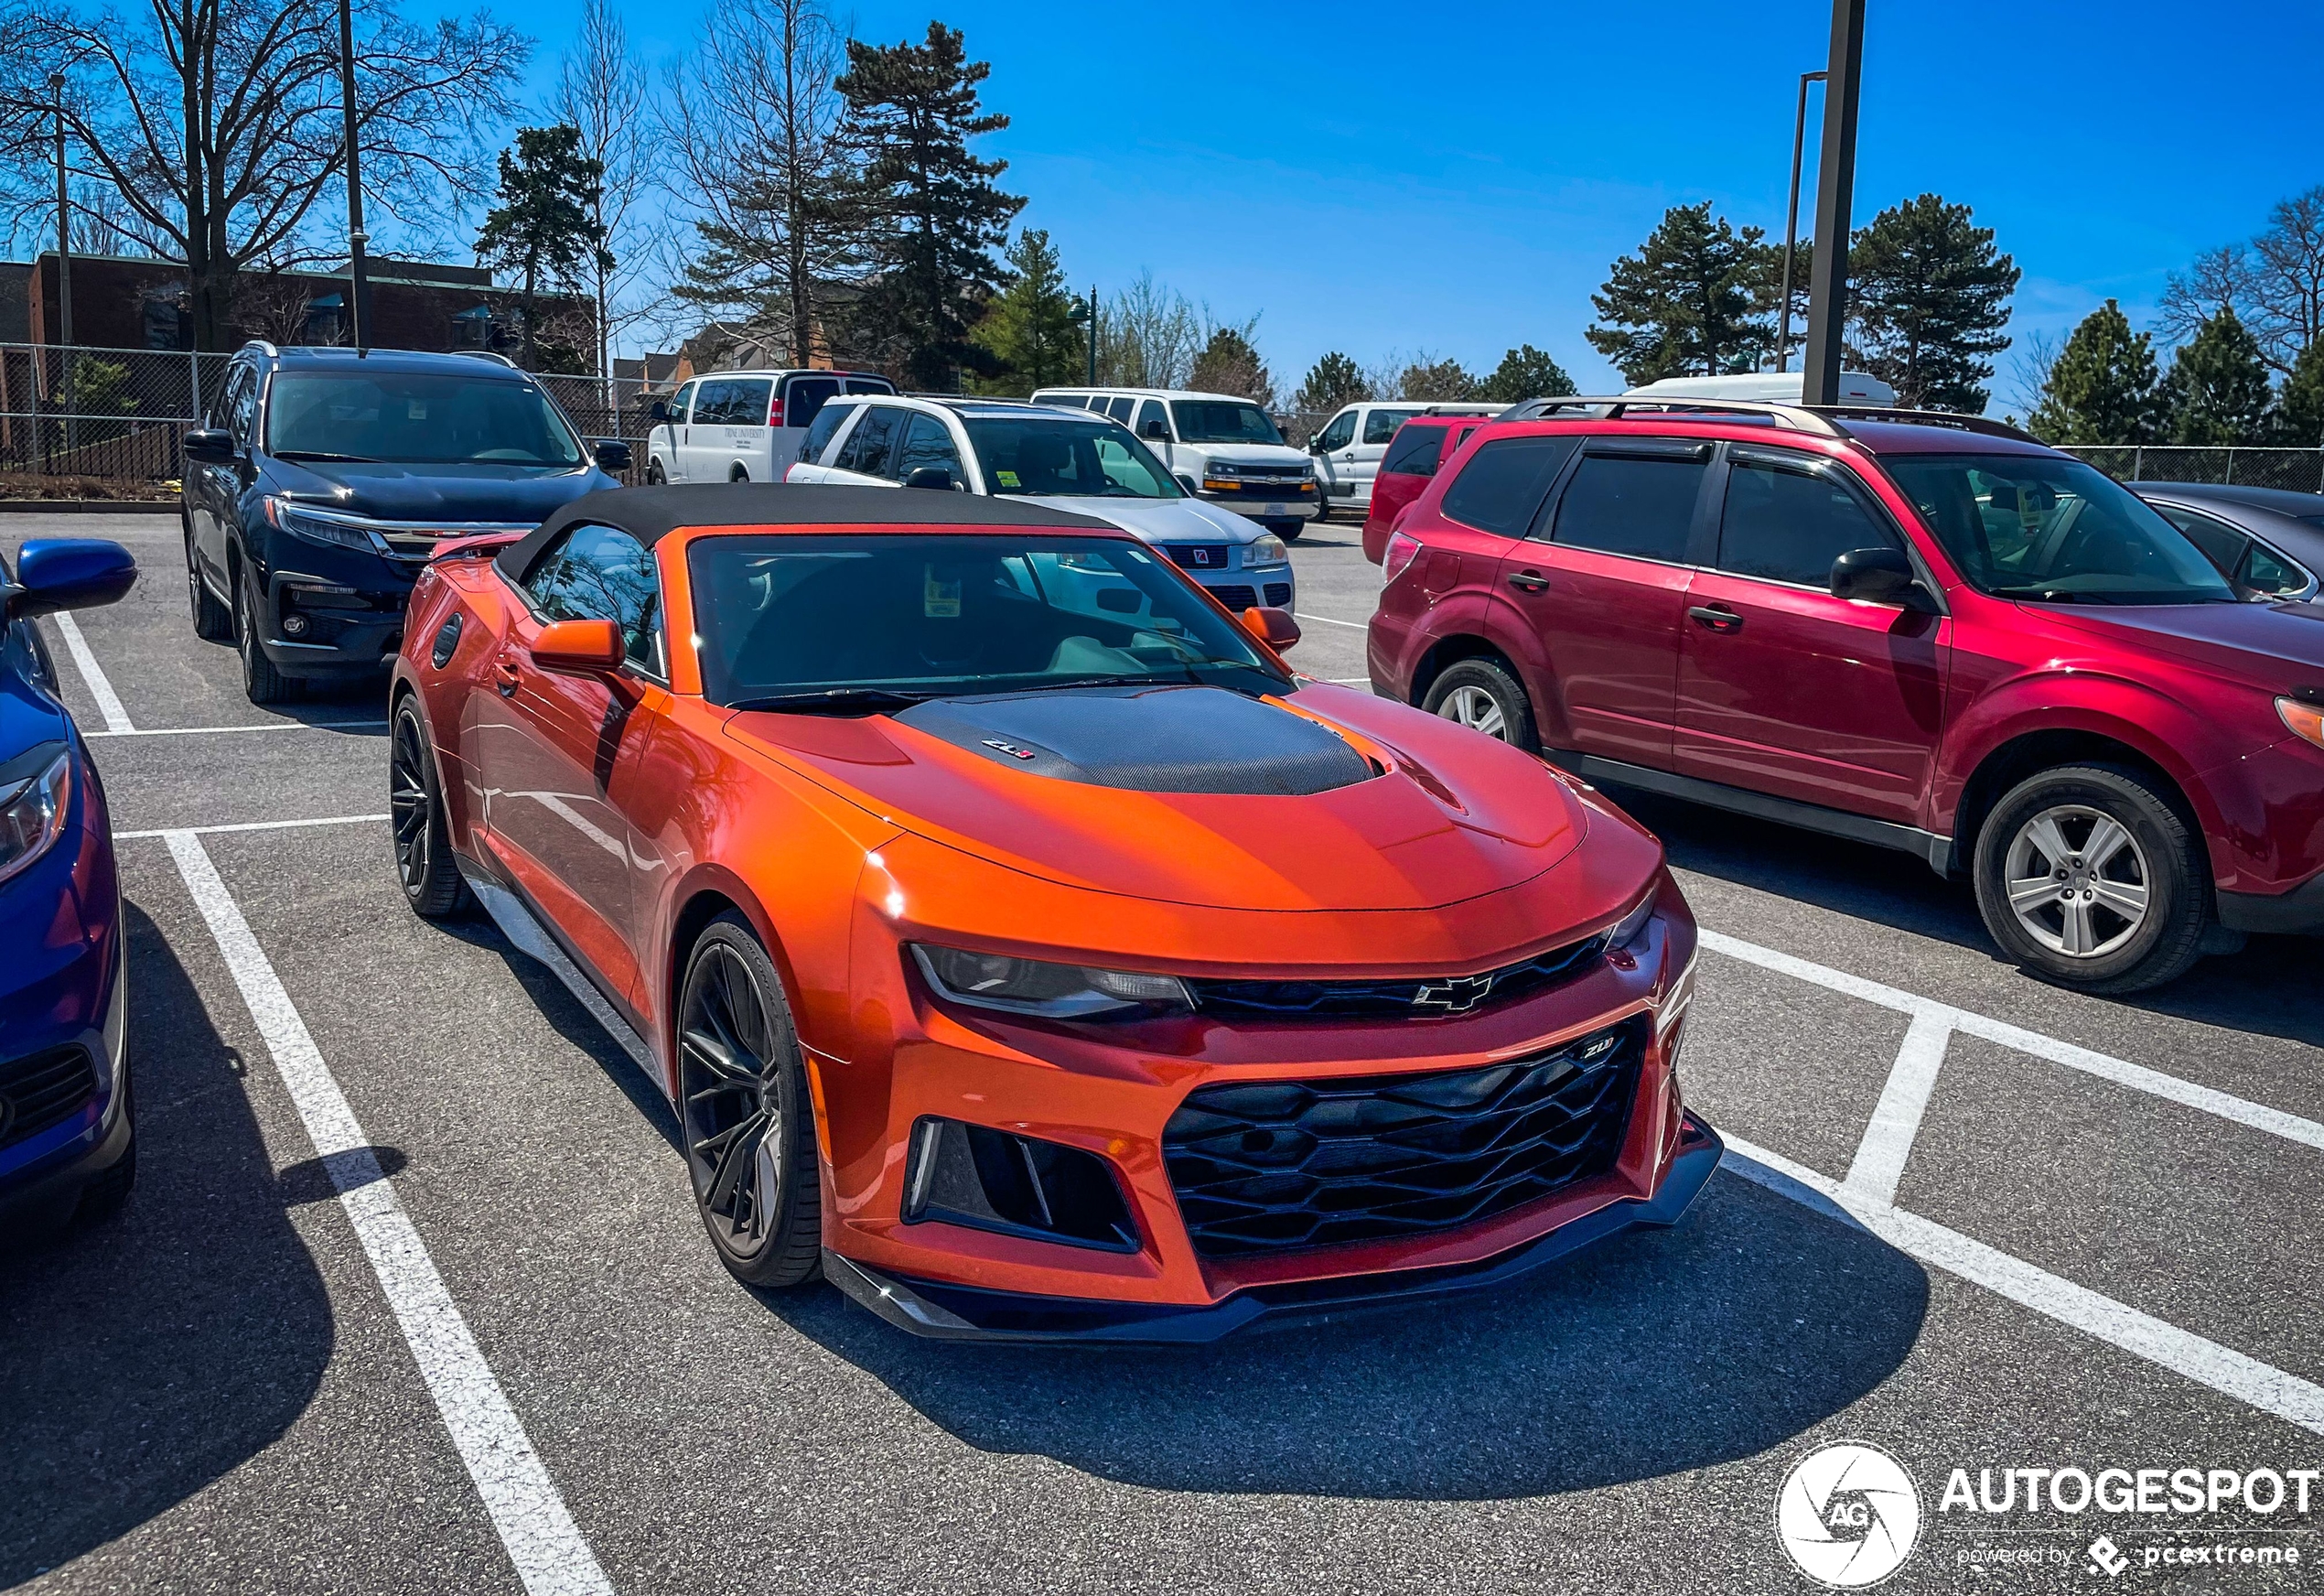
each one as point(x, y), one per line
point(1483, 695)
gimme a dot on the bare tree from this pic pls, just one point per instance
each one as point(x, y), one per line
point(2220, 279)
point(759, 136)
point(2030, 362)
point(601, 91)
point(2274, 284)
point(216, 123)
point(278, 306)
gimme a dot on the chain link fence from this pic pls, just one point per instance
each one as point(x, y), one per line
point(2301, 471)
point(78, 422)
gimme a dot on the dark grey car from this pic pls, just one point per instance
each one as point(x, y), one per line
point(2265, 540)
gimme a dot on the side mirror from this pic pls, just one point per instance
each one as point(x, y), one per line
point(210, 446)
point(658, 411)
point(929, 476)
point(579, 646)
point(1879, 575)
point(69, 573)
point(1315, 444)
point(1155, 428)
point(612, 454)
point(1275, 627)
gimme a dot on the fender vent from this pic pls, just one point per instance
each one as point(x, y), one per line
point(448, 640)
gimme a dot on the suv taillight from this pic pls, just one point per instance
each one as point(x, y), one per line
point(1401, 548)
point(774, 411)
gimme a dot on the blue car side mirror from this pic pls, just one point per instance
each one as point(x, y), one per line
point(69, 573)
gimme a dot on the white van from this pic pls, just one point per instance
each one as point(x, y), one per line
point(1348, 448)
point(1220, 447)
point(1770, 388)
point(742, 427)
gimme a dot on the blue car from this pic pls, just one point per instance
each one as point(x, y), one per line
point(66, 1135)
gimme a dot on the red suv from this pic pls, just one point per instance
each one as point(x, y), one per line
point(1929, 632)
point(1412, 457)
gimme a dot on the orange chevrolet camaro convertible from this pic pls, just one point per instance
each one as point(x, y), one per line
point(1022, 946)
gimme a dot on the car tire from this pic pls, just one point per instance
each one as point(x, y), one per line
point(213, 622)
point(1288, 530)
point(2109, 834)
point(261, 681)
point(1484, 696)
point(104, 1194)
point(654, 477)
point(425, 865)
point(745, 1112)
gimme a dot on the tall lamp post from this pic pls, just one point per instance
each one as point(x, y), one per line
point(359, 283)
point(1084, 313)
point(64, 268)
point(1835, 186)
point(1791, 223)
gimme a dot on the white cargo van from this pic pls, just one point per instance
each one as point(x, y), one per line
point(742, 427)
point(1220, 447)
point(1348, 448)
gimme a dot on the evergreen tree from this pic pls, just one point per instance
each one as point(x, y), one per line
point(2102, 389)
point(912, 109)
point(2217, 391)
point(1332, 382)
point(1229, 364)
point(1687, 302)
point(545, 229)
point(1525, 373)
point(1928, 296)
point(1029, 326)
point(1438, 379)
point(2300, 414)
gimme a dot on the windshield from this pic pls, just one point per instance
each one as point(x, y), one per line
point(1033, 455)
point(1222, 421)
point(2054, 530)
point(437, 418)
point(917, 616)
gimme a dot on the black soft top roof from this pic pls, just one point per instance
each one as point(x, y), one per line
point(651, 514)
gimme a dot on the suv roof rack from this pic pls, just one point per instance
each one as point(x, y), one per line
point(262, 346)
point(1926, 419)
point(1614, 407)
point(488, 355)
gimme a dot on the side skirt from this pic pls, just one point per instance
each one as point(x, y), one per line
point(1936, 850)
point(537, 942)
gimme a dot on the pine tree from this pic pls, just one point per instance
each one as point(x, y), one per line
point(1928, 296)
point(1438, 379)
point(1029, 326)
point(2300, 413)
point(1229, 364)
point(545, 228)
point(913, 108)
point(1525, 373)
point(2217, 390)
point(1332, 382)
point(2103, 388)
point(1687, 303)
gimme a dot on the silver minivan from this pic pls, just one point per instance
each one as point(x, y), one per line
point(1348, 448)
point(742, 427)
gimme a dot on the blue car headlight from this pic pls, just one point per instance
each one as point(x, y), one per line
point(32, 815)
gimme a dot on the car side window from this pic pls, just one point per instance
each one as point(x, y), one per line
point(1788, 518)
point(1341, 431)
point(1151, 411)
point(241, 406)
point(803, 399)
point(1414, 452)
point(1503, 486)
point(1381, 425)
point(600, 573)
point(822, 430)
point(2221, 544)
point(871, 448)
point(758, 400)
point(2264, 572)
point(870, 385)
point(1641, 505)
point(928, 442)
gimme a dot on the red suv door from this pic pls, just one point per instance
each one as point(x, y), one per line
point(1782, 688)
point(1603, 582)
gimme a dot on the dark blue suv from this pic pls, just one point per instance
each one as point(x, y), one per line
point(325, 477)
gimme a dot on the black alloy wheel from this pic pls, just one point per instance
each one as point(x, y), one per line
point(423, 860)
point(213, 622)
point(262, 682)
point(745, 1112)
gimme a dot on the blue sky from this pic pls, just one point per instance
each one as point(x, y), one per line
point(1457, 178)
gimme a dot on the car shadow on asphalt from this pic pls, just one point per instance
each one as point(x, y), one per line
point(1748, 1324)
point(145, 1357)
point(2266, 987)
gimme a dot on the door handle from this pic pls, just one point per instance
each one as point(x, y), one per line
point(504, 675)
point(1716, 617)
point(1529, 581)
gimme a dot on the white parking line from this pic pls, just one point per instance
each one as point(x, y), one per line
point(2190, 1356)
point(247, 825)
point(1328, 621)
point(542, 1541)
point(92, 676)
point(263, 725)
point(2225, 1104)
point(1896, 1118)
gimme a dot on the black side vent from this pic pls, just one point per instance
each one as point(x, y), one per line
point(42, 1091)
point(447, 641)
point(1018, 1185)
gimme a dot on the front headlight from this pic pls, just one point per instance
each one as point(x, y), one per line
point(1632, 926)
point(32, 815)
point(330, 531)
point(1033, 986)
point(1269, 550)
point(1216, 470)
point(2305, 718)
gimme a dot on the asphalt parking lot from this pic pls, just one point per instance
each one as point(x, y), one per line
point(410, 1296)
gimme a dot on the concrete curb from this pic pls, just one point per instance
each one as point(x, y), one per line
point(88, 506)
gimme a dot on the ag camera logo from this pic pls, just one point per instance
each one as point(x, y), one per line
point(1848, 1515)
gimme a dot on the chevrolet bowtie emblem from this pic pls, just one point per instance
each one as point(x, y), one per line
point(1455, 997)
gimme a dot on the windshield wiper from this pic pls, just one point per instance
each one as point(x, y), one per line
point(835, 699)
point(323, 455)
point(2047, 595)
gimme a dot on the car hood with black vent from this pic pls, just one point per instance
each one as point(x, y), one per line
point(1325, 800)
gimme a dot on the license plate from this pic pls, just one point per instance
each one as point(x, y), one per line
point(1278, 510)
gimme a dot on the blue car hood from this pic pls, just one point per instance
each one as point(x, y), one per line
point(517, 495)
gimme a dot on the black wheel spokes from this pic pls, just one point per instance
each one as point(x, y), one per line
point(730, 1110)
point(407, 804)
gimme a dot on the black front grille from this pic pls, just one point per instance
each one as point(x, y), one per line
point(1277, 1165)
point(1405, 997)
point(1236, 595)
point(412, 546)
point(1197, 557)
point(1279, 483)
point(42, 1091)
point(1278, 594)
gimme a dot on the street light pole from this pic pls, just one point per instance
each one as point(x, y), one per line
point(1791, 223)
point(1092, 335)
point(359, 283)
point(1834, 184)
